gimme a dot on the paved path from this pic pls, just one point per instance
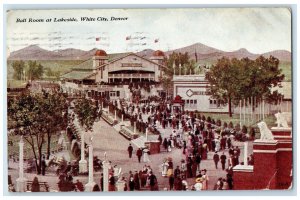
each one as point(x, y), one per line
point(107, 139)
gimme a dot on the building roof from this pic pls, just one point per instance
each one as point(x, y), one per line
point(78, 75)
point(158, 53)
point(85, 65)
point(100, 52)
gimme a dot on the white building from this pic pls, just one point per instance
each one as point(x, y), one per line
point(193, 89)
point(109, 75)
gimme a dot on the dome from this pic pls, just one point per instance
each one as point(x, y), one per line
point(100, 53)
point(158, 53)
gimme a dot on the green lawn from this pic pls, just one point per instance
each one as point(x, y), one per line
point(62, 66)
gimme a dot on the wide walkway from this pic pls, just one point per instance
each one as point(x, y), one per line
point(107, 139)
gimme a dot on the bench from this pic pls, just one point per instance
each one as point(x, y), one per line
point(42, 185)
point(128, 134)
point(108, 119)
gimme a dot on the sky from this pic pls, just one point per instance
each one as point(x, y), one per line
point(259, 30)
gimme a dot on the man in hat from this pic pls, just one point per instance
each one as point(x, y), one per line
point(43, 165)
point(130, 150)
point(223, 160)
point(139, 154)
point(152, 181)
point(216, 159)
point(136, 180)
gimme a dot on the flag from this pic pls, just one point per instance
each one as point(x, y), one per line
point(156, 40)
point(128, 37)
point(97, 39)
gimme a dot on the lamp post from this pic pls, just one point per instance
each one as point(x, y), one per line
point(21, 181)
point(91, 183)
point(245, 153)
point(105, 164)
point(82, 162)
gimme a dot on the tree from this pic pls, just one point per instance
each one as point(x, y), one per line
point(232, 80)
point(35, 70)
point(187, 64)
point(37, 117)
point(167, 84)
point(86, 112)
point(18, 66)
point(56, 108)
point(27, 114)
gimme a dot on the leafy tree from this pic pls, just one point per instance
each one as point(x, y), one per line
point(167, 84)
point(86, 112)
point(232, 80)
point(55, 106)
point(36, 117)
point(27, 114)
point(18, 66)
point(35, 70)
point(187, 64)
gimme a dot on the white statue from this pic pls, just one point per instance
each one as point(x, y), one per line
point(281, 120)
point(265, 132)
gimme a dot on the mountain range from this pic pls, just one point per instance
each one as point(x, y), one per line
point(203, 52)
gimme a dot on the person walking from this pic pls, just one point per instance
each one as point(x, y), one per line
point(139, 154)
point(130, 150)
point(223, 160)
point(198, 161)
point(171, 182)
point(152, 182)
point(131, 184)
point(146, 155)
point(43, 165)
point(136, 180)
point(216, 159)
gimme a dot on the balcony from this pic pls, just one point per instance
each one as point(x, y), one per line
point(126, 76)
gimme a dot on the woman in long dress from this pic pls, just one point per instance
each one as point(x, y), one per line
point(205, 180)
point(165, 166)
point(146, 155)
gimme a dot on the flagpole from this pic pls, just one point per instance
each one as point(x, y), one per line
point(244, 111)
point(263, 110)
point(251, 108)
point(240, 104)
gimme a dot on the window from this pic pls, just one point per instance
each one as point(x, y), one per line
point(195, 101)
point(118, 93)
point(187, 101)
point(210, 101)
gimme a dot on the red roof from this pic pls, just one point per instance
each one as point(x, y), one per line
point(158, 53)
point(100, 53)
point(178, 99)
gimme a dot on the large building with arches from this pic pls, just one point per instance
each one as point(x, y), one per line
point(110, 74)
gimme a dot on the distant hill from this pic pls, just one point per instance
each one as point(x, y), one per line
point(34, 52)
point(204, 52)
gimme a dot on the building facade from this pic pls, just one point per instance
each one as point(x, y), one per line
point(193, 89)
point(110, 75)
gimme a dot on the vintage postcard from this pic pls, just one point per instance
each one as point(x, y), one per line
point(109, 100)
